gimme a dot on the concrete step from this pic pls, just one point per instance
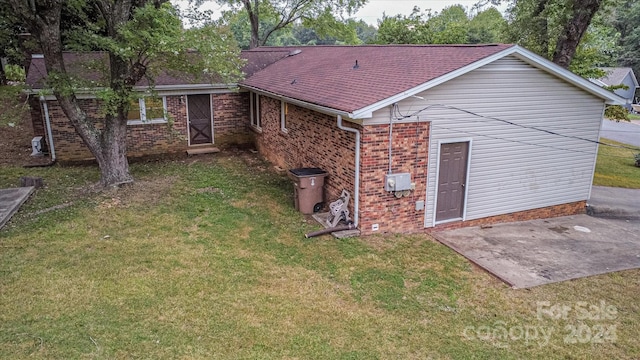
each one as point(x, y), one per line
point(202, 150)
point(11, 200)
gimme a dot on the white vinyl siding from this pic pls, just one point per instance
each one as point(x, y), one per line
point(513, 168)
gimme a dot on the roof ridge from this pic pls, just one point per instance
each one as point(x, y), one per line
point(282, 48)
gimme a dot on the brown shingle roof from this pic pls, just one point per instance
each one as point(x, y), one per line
point(327, 75)
point(91, 65)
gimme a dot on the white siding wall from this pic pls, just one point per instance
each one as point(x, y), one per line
point(512, 168)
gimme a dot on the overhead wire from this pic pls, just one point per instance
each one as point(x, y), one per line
point(399, 117)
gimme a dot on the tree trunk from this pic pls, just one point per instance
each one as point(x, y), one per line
point(574, 29)
point(3, 77)
point(254, 20)
point(108, 145)
point(112, 159)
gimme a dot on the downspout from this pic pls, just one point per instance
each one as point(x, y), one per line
point(47, 121)
point(391, 136)
point(356, 190)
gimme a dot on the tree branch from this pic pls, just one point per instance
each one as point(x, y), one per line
point(574, 30)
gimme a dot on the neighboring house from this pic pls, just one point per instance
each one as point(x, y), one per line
point(467, 134)
point(620, 76)
point(183, 114)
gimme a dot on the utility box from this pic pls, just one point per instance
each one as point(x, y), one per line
point(308, 187)
point(397, 182)
point(36, 146)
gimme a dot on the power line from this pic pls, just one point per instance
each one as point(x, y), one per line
point(525, 143)
point(399, 116)
point(510, 140)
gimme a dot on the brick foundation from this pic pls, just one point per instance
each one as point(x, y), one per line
point(574, 208)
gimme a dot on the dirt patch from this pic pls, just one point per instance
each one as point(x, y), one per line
point(146, 191)
point(15, 145)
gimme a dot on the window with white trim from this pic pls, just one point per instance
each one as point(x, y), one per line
point(148, 110)
point(284, 111)
point(254, 100)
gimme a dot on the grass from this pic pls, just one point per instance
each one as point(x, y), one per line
point(615, 166)
point(206, 258)
point(634, 117)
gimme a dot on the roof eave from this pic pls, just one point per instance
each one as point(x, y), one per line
point(521, 53)
point(162, 89)
point(305, 104)
point(187, 87)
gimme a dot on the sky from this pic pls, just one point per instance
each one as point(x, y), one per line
point(374, 9)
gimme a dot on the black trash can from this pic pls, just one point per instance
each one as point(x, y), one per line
point(308, 185)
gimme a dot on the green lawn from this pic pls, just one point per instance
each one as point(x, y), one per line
point(615, 166)
point(206, 258)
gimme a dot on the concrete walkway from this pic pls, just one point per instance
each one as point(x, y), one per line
point(614, 203)
point(11, 200)
point(624, 132)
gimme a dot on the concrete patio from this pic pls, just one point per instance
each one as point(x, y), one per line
point(531, 253)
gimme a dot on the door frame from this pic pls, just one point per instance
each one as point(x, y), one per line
point(437, 180)
point(186, 102)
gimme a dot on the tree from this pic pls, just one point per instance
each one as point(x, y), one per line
point(366, 33)
point(486, 27)
point(10, 44)
point(139, 38)
point(359, 33)
point(451, 26)
point(573, 31)
point(316, 14)
point(400, 29)
point(306, 36)
point(552, 28)
point(237, 21)
point(625, 19)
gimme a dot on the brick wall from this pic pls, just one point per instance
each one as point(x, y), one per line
point(154, 139)
point(313, 140)
point(144, 139)
point(231, 120)
point(409, 155)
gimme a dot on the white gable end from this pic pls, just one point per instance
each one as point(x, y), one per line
point(512, 167)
